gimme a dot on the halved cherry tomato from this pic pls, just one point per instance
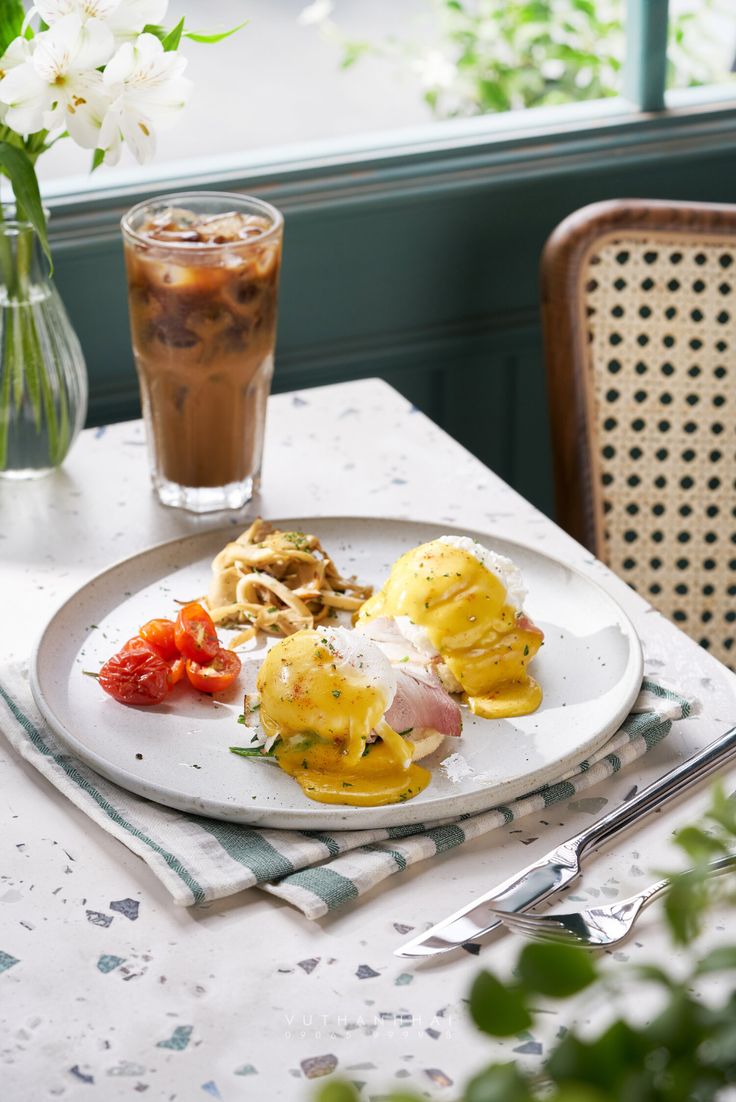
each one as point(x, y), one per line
point(177, 669)
point(195, 634)
point(159, 634)
point(219, 674)
point(136, 675)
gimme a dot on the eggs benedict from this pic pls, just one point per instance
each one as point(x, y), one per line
point(344, 723)
point(454, 606)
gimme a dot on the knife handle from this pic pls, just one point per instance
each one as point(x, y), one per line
point(680, 778)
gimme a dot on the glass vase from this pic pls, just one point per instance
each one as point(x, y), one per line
point(43, 379)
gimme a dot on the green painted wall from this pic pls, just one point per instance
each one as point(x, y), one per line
point(433, 287)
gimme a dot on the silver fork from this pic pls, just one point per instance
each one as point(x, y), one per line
point(598, 926)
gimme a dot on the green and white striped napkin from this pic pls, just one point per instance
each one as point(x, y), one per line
point(199, 859)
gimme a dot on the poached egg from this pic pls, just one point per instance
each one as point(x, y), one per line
point(460, 605)
point(324, 694)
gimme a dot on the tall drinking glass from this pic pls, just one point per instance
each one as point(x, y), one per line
point(203, 273)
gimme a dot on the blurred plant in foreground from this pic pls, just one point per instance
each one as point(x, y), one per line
point(685, 1051)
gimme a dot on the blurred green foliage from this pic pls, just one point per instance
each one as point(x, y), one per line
point(498, 55)
point(684, 1052)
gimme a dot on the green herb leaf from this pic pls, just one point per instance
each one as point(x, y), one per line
point(172, 39)
point(218, 36)
point(555, 970)
point(251, 752)
point(336, 693)
point(496, 1008)
point(18, 167)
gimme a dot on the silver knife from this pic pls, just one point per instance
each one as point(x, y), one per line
point(562, 865)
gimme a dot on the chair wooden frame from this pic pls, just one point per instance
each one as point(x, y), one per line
point(563, 269)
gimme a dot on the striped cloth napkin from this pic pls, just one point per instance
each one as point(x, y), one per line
point(199, 859)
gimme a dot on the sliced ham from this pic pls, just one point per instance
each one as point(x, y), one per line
point(418, 703)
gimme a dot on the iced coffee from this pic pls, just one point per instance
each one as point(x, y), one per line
point(203, 279)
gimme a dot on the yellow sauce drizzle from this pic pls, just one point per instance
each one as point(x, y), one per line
point(323, 711)
point(462, 608)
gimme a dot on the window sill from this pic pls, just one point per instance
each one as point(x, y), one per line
point(451, 153)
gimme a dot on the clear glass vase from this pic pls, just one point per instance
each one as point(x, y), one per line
point(43, 379)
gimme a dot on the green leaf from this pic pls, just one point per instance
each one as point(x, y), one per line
point(497, 1009)
point(97, 158)
point(171, 40)
point(209, 39)
point(337, 1092)
point(675, 1027)
point(654, 974)
point(18, 167)
point(698, 845)
point(498, 1083)
point(11, 22)
point(250, 752)
point(717, 960)
point(684, 905)
point(723, 810)
point(555, 970)
point(605, 1062)
point(156, 29)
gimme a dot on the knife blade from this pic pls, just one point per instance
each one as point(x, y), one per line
point(562, 865)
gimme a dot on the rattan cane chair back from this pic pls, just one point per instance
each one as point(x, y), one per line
point(639, 312)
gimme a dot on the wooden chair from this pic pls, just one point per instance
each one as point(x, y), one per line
point(639, 315)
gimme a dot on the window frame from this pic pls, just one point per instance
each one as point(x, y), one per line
point(645, 121)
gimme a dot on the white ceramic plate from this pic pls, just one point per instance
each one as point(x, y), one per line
point(177, 753)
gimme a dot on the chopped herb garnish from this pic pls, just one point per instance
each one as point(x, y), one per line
point(90, 673)
point(408, 731)
point(346, 784)
point(251, 752)
point(405, 658)
point(241, 718)
point(272, 608)
point(336, 693)
point(526, 651)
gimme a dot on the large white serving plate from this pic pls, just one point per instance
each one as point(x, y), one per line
point(177, 753)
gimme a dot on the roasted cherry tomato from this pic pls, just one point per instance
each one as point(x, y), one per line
point(159, 634)
point(136, 675)
point(177, 669)
point(195, 634)
point(217, 675)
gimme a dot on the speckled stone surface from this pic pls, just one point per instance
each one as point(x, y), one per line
point(108, 991)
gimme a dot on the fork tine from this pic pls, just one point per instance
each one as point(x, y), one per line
point(533, 921)
point(558, 934)
point(541, 927)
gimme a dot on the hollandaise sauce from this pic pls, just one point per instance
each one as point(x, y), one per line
point(324, 706)
point(464, 611)
point(377, 778)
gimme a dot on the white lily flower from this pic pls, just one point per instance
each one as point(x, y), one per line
point(18, 52)
point(51, 11)
point(125, 18)
point(147, 89)
point(58, 84)
point(315, 13)
point(131, 16)
point(435, 70)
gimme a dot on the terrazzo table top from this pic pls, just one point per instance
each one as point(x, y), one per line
point(107, 990)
